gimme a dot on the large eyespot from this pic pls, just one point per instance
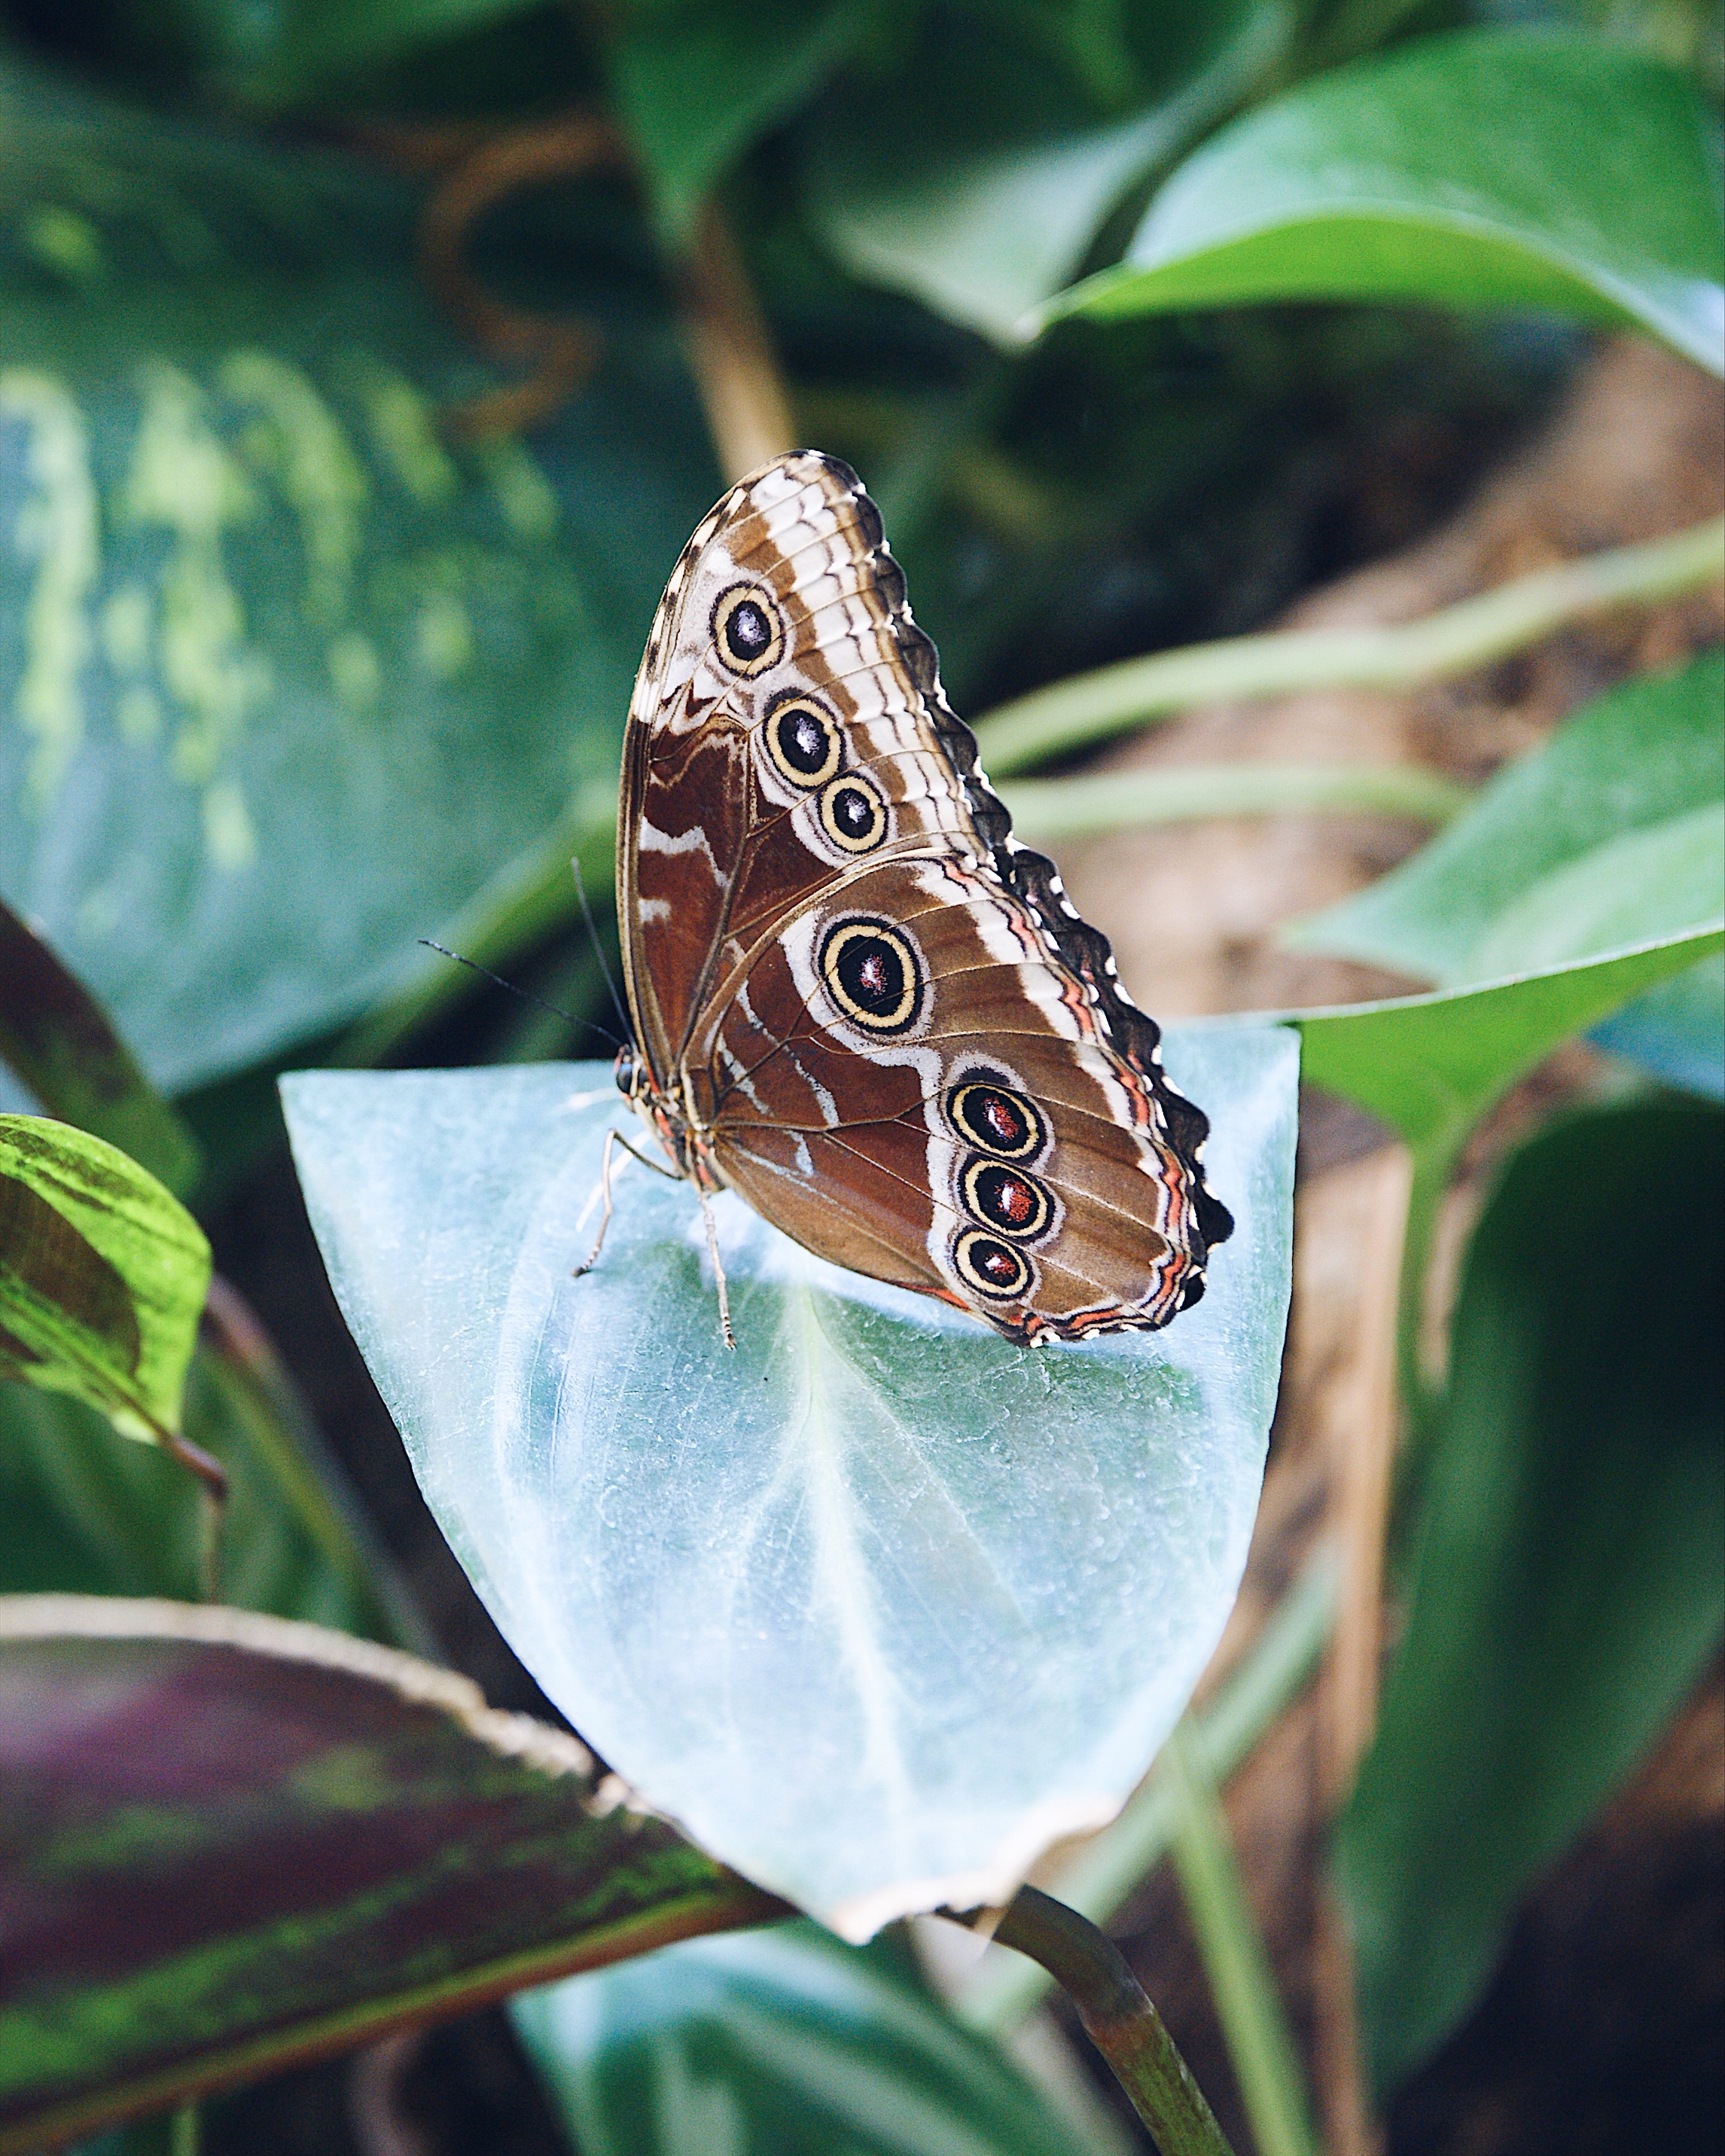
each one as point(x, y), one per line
point(802, 740)
point(852, 815)
point(994, 1117)
point(748, 632)
point(872, 973)
point(993, 1268)
point(1006, 1197)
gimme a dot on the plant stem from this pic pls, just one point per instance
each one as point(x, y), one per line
point(730, 352)
point(1362, 1475)
point(1050, 809)
point(1092, 707)
point(1265, 2063)
point(1120, 2020)
point(1363, 1438)
point(1107, 1868)
point(238, 1360)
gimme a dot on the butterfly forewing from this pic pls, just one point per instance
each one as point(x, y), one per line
point(860, 1003)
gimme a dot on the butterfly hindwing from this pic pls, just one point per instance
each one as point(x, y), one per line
point(861, 1003)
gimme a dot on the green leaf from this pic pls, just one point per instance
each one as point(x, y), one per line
point(1635, 761)
point(781, 2043)
point(87, 1514)
point(1485, 168)
point(285, 678)
point(975, 175)
point(58, 1039)
point(877, 1606)
point(1609, 833)
point(102, 1275)
point(1431, 1066)
point(275, 55)
point(241, 1842)
point(696, 82)
point(1565, 1589)
point(96, 195)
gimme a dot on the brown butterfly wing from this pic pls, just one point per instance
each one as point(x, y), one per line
point(902, 1046)
point(733, 809)
point(908, 1083)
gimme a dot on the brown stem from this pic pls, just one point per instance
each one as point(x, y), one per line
point(730, 355)
point(562, 353)
point(1364, 1436)
point(212, 1506)
point(1119, 2018)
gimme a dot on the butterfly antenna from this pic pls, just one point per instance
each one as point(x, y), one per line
point(526, 995)
point(598, 949)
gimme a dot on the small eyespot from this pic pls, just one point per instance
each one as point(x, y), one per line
point(993, 1268)
point(747, 632)
point(996, 1119)
point(804, 743)
point(852, 815)
point(1006, 1198)
point(872, 971)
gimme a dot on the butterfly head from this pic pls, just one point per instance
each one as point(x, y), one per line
point(630, 1072)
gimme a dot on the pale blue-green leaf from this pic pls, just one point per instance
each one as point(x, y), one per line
point(977, 185)
point(1506, 167)
point(877, 1606)
point(1676, 1031)
point(779, 2043)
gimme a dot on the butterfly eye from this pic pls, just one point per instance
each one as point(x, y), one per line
point(802, 742)
point(993, 1268)
point(999, 1122)
point(1006, 1197)
point(852, 815)
point(746, 631)
point(871, 972)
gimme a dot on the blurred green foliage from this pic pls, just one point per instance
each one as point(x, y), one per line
point(1564, 1590)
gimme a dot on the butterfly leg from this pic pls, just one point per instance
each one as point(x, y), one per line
point(592, 1258)
point(614, 1138)
point(712, 1251)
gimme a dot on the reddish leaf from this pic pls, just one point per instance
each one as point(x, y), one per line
point(228, 1841)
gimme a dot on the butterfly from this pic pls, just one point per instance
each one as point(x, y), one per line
point(856, 1000)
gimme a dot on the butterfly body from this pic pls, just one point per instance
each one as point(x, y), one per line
point(857, 1001)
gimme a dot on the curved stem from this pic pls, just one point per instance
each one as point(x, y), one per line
point(1052, 809)
point(1092, 707)
point(1120, 2020)
point(1097, 1879)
